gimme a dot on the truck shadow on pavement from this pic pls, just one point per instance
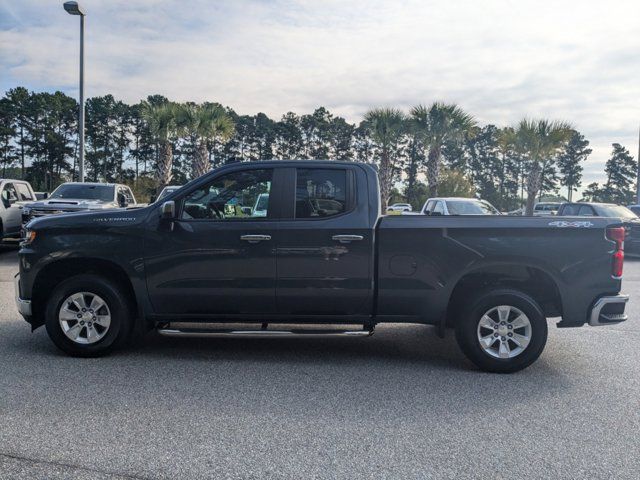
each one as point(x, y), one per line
point(405, 367)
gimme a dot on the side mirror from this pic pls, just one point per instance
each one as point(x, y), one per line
point(45, 195)
point(168, 210)
point(436, 214)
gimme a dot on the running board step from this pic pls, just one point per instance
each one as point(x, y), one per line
point(195, 332)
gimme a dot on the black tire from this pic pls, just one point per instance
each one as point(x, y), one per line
point(467, 330)
point(120, 327)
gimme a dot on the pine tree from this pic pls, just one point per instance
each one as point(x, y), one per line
point(7, 133)
point(621, 171)
point(569, 162)
point(289, 137)
point(20, 99)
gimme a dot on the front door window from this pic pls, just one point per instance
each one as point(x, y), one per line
point(239, 195)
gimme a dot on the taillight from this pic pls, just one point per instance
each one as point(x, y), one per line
point(617, 234)
point(616, 266)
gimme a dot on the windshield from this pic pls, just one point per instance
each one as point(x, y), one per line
point(615, 211)
point(470, 207)
point(80, 191)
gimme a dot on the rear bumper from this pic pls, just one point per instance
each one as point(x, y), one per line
point(24, 305)
point(608, 310)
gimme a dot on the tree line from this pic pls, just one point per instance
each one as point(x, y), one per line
point(435, 149)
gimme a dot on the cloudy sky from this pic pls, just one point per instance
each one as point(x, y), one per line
point(500, 59)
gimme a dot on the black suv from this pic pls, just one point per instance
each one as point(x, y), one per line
point(611, 210)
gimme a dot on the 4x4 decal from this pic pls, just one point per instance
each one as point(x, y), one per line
point(576, 224)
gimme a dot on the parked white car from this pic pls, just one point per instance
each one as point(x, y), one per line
point(14, 194)
point(167, 190)
point(458, 206)
point(400, 207)
point(79, 197)
point(544, 209)
point(260, 208)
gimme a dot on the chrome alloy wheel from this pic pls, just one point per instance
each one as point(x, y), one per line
point(504, 332)
point(84, 317)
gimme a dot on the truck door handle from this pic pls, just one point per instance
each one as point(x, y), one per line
point(255, 238)
point(347, 238)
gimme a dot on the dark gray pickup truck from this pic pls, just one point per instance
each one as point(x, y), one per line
point(316, 259)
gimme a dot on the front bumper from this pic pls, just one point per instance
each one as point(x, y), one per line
point(608, 310)
point(24, 305)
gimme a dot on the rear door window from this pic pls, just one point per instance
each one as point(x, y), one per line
point(130, 197)
point(429, 206)
point(320, 193)
point(9, 194)
point(586, 211)
point(24, 194)
point(570, 210)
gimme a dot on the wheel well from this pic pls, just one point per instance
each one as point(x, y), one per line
point(531, 280)
point(56, 272)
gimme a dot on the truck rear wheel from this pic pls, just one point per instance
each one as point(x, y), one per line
point(502, 331)
point(88, 316)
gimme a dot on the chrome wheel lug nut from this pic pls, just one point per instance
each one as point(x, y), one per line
point(503, 338)
point(510, 334)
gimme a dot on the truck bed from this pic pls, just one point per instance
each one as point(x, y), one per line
point(423, 259)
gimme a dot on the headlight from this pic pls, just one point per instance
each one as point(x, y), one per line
point(28, 237)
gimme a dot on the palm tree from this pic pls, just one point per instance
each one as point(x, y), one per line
point(539, 141)
point(506, 142)
point(386, 126)
point(440, 123)
point(204, 123)
point(161, 120)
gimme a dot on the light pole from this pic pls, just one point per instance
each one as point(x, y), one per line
point(73, 8)
point(638, 178)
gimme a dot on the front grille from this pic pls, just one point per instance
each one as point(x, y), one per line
point(40, 213)
point(36, 213)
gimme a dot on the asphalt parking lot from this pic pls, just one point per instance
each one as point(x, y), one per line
point(401, 404)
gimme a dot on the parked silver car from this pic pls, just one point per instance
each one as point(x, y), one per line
point(77, 197)
point(14, 195)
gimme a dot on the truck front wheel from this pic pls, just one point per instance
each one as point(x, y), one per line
point(502, 330)
point(88, 316)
